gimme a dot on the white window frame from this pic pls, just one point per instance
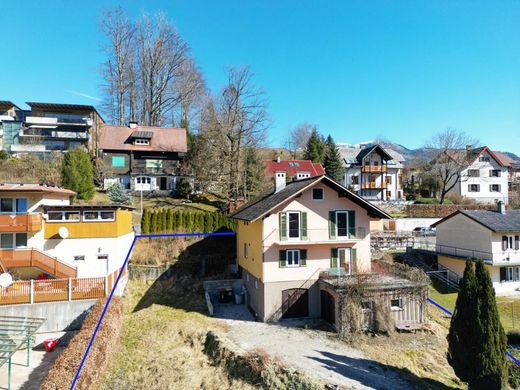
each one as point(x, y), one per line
point(294, 264)
point(348, 256)
point(298, 238)
point(99, 219)
point(14, 205)
point(495, 173)
point(484, 159)
point(336, 220)
point(322, 194)
point(13, 240)
point(475, 171)
point(512, 274)
point(140, 141)
point(63, 217)
point(400, 305)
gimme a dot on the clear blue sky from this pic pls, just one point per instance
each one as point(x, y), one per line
point(359, 69)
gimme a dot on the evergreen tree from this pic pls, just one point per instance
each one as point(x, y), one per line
point(183, 188)
point(315, 148)
point(491, 364)
point(180, 221)
point(145, 222)
point(332, 161)
point(77, 173)
point(117, 194)
point(164, 220)
point(255, 171)
point(153, 224)
point(171, 221)
point(208, 223)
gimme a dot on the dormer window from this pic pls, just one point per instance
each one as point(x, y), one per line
point(140, 141)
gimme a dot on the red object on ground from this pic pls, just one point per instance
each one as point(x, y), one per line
point(42, 277)
point(49, 344)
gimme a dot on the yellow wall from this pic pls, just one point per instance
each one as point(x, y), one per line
point(251, 235)
point(121, 226)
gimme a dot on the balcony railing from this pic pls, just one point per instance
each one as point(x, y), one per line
point(315, 236)
point(464, 252)
point(54, 134)
point(373, 186)
point(373, 168)
point(27, 222)
point(41, 120)
point(30, 257)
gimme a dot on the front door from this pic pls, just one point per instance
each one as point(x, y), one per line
point(344, 260)
point(163, 183)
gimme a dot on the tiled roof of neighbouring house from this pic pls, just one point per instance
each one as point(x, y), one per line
point(353, 155)
point(163, 139)
point(493, 220)
point(292, 167)
point(35, 188)
point(269, 201)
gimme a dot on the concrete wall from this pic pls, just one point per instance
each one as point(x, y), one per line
point(408, 224)
point(59, 315)
point(461, 232)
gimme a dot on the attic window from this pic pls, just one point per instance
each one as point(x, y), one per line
point(483, 159)
point(317, 194)
point(141, 141)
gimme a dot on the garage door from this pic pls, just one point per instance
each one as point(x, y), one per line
point(295, 303)
point(328, 311)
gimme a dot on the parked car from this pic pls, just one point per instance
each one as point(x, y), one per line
point(424, 231)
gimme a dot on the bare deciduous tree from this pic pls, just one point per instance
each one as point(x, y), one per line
point(298, 138)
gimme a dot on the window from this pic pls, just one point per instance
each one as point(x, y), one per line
point(21, 205)
point(366, 305)
point(297, 164)
point(494, 188)
point(102, 257)
point(395, 304)
point(6, 241)
point(510, 274)
point(495, 173)
point(293, 225)
point(6, 205)
point(155, 164)
point(79, 258)
point(510, 242)
point(473, 187)
point(118, 161)
point(21, 240)
point(140, 141)
point(291, 164)
point(90, 216)
point(341, 223)
point(483, 159)
point(317, 193)
point(344, 260)
point(13, 240)
point(354, 179)
point(473, 173)
point(68, 216)
point(389, 180)
point(388, 194)
point(143, 180)
point(245, 250)
point(293, 258)
point(256, 284)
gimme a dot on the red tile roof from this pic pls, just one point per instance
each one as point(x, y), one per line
point(505, 159)
point(291, 167)
point(35, 188)
point(164, 139)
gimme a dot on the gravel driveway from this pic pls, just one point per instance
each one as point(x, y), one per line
point(313, 353)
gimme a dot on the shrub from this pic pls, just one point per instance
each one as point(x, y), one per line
point(184, 188)
point(117, 194)
point(145, 222)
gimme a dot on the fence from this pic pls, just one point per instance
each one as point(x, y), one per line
point(52, 290)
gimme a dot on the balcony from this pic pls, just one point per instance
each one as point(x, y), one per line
point(46, 121)
point(315, 236)
point(14, 223)
point(373, 186)
point(54, 134)
point(504, 258)
point(374, 169)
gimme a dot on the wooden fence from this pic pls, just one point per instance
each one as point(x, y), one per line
point(52, 290)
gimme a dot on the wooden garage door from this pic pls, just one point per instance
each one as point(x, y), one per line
point(328, 311)
point(295, 303)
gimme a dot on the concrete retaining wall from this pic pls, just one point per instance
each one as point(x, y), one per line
point(59, 315)
point(408, 224)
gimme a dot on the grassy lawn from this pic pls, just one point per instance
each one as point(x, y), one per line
point(447, 297)
point(162, 340)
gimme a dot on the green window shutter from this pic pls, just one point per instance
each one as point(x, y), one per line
point(351, 224)
point(283, 259)
point(303, 257)
point(332, 225)
point(283, 226)
point(353, 260)
point(334, 258)
point(303, 233)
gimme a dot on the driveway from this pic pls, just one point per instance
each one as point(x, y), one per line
point(313, 353)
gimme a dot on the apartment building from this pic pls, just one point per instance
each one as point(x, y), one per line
point(373, 172)
point(11, 119)
point(142, 158)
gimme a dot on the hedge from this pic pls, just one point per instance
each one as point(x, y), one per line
point(168, 220)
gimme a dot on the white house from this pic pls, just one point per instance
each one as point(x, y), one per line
point(493, 236)
point(373, 172)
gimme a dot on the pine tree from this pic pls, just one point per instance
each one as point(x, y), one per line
point(117, 194)
point(491, 364)
point(77, 173)
point(315, 148)
point(332, 161)
point(145, 222)
point(254, 173)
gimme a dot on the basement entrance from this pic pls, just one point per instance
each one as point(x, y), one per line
point(328, 310)
point(295, 303)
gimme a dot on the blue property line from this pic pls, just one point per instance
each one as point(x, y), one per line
point(119, 277)
point(508, 354)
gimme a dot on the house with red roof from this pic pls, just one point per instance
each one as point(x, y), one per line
point(294, 169)
point(142, 158)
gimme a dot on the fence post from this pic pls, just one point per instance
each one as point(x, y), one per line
point(106, 285)
point(32, 291)
point(513, 313)
point(70, 289)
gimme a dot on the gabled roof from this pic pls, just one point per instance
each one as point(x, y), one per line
point(35, 188)
point(7, 104)
point(292, 167)
point(265, 204)
point(354, 155)
point(163, 139)
point(492, 220)
point(369, 149)
point(505, 159)
point(468, 157)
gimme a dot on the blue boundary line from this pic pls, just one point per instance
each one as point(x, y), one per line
point(137, 236)
point(508, 354)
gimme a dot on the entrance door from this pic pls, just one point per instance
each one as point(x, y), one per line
point(295, 303)
point(344, 260)
point(163, 186)
point(328, 311)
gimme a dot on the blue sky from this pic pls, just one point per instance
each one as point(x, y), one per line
point(402, 70)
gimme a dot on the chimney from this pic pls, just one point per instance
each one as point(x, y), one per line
point(469, 147)
point(501, 207)
point(279, 181)
point(132, 125)
point(278, 159)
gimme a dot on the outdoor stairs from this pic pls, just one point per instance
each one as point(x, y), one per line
point(441, 277)
point(33, 257)
point(2, 268)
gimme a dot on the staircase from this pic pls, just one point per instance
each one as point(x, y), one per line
point(37, 259)
point(2, 268)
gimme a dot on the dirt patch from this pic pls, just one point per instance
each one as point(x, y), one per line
point(64, 369)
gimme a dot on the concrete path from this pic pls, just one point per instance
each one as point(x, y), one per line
point(317, 355)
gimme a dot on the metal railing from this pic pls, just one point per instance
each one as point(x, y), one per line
point(311, 236)
point(455, 251)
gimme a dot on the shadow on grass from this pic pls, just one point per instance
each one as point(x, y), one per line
point(180, 286)
point(374, 374)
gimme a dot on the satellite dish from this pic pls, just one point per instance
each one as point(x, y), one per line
point(63, 232)
point(6, 280)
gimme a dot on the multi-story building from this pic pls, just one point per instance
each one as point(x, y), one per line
point(493, 236)
point(41, 234)
point(513, 170)
point(50, 127)
point(142, 158)
point(11, 118)
point(297, 245)
point(373, 172)
point(483, 177)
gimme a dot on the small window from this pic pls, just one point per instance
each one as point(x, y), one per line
point(317, 193)
point(79, 258)
point(21, 205)
point(495, 173)
point(107, 215)
point(291, 164)
point(245, 250)
point(389, 180)
point(6, 205)
point(494, 187)
point(354, 179)
point(256, 284)
point(21, 240)
point(6, 241)
point(90, 215)
point(395, 303)
point(141, 142)
point(102, 257)
point(296, 164)
point(483, 159)
point(69, 216)
point(473, 187)
point(118, 161)
point(473, 173)
point(293, 258)
point(366, 305)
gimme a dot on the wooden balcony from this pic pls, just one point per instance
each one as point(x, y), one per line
point(374, 169)
point(29, 222)
point(373, 186)
point(13, 258)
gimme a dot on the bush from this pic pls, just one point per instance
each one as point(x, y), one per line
point(169, 221)
point(184, 188)
point(117, 194)
point(513, 375)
